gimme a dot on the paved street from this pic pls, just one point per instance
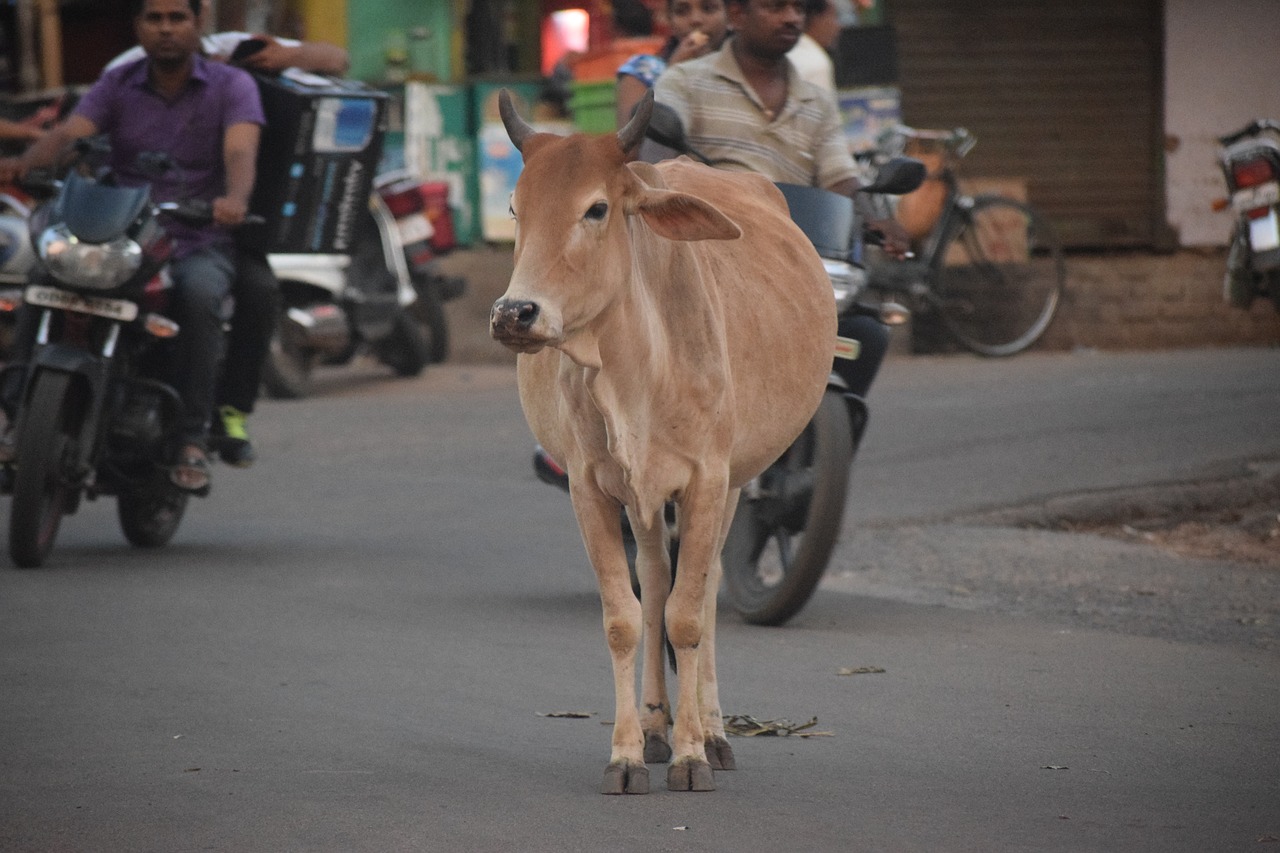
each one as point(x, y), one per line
point(355, 645)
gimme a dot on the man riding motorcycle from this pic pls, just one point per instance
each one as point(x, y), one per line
point(207, 117)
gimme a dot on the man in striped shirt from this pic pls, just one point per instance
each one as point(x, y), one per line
point(745, 108)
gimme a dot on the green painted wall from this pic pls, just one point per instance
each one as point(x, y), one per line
point(419, 31)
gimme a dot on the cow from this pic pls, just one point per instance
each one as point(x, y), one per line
point(674, 332)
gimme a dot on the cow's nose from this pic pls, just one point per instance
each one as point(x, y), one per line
point(514, 315)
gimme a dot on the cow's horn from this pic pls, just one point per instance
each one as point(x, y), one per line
point(517, 128)
point(629, 137)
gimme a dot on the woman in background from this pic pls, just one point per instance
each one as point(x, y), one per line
point(698, 27)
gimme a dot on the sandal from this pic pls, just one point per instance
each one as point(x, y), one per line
point(191, 473)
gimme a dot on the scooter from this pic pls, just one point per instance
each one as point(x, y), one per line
point(1250, 161)
point(386, 297)
point(789, 518)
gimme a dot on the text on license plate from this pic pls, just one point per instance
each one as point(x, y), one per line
point(52, 297)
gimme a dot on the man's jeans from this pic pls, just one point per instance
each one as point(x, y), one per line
point(202, 283)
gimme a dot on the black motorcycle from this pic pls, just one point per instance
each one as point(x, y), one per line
point(789, 517)
point(96, 414)
point(1250, 161)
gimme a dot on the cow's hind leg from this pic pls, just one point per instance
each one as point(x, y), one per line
point(719, 752)
point(602, 534)
point(653, 568)
point(701, 515)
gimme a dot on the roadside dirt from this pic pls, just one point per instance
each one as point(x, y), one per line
point(1233, 518)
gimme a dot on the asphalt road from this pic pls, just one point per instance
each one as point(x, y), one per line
point(354, 645)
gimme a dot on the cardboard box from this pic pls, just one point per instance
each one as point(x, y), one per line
point(316, 161)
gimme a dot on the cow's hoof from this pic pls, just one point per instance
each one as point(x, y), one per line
point(625, 777)
point(720, 754)
point(656, 749)
point(690, 774)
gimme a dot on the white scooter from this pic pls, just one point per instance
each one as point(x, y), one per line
point(386, 297)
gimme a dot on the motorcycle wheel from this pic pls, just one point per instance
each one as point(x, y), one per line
point(429, 311)
point(406, 350)
point(780, 541)
point(149, 516)
point(286, 373)
point(42, 486)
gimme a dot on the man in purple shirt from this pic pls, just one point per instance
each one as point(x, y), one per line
point(207, 117)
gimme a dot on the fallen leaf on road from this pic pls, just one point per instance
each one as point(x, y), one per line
point(1054, 767)
point(744, 725)
point(568, 715)
point(859, 670)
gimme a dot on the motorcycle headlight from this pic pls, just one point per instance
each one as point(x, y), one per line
point(93, 266)
point(847, 281)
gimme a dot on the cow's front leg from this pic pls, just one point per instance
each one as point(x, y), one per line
point(701, 514)
point(653, 568)
point(598, 517)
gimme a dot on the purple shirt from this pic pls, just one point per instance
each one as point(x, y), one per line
point(189, 129)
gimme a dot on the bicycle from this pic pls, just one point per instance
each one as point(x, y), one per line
point(989, 266)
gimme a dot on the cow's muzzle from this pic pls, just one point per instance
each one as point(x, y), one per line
point(512, 322)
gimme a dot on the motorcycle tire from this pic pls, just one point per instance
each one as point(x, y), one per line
point(43, 478)
point(286, 372)
point(149, 516)
point(406, 350)
point(780, 540)
point(429, 311)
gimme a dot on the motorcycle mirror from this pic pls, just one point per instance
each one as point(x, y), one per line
point(666, 129)
point(898, 176)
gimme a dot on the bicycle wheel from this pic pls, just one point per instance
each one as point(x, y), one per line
point(998, 278)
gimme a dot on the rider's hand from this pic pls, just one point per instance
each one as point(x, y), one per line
point(273, 57)
point(228, 212)
point(10, 169)
point(893, 237)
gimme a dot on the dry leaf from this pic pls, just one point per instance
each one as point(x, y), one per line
point(744, 725)
point(568, 715)
point(859, 670)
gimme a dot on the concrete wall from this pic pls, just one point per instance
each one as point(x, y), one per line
point(1221, 71)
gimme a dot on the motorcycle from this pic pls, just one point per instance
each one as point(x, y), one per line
point(95, 415)
point(1250, 161)
point(789, 517)
point(17, 257)
point(387, 296)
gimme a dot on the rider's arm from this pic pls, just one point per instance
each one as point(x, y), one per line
point(315, 56)
point(45, 151)
point(239, 155)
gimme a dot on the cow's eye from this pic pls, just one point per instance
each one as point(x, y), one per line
point(597, 211)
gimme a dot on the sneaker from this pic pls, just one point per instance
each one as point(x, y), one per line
point(548, 470)
point(234, 446)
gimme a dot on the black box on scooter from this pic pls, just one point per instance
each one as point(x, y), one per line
point(316, 161)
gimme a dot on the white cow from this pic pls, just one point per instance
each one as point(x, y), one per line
point(675, 332)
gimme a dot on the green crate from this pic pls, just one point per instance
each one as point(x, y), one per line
point(593, 104)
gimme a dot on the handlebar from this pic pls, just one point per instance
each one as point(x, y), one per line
point(1251, 129)
point(197, 213)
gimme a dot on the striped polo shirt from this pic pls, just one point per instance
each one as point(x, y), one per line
point(726, 122)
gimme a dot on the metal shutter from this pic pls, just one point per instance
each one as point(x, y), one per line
point(1067, 95)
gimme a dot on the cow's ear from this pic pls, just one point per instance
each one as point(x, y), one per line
point(680, 216)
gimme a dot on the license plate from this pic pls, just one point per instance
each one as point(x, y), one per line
point(52, 297)
point(1264, 235)
point(415, 228)
point(1251, 198)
